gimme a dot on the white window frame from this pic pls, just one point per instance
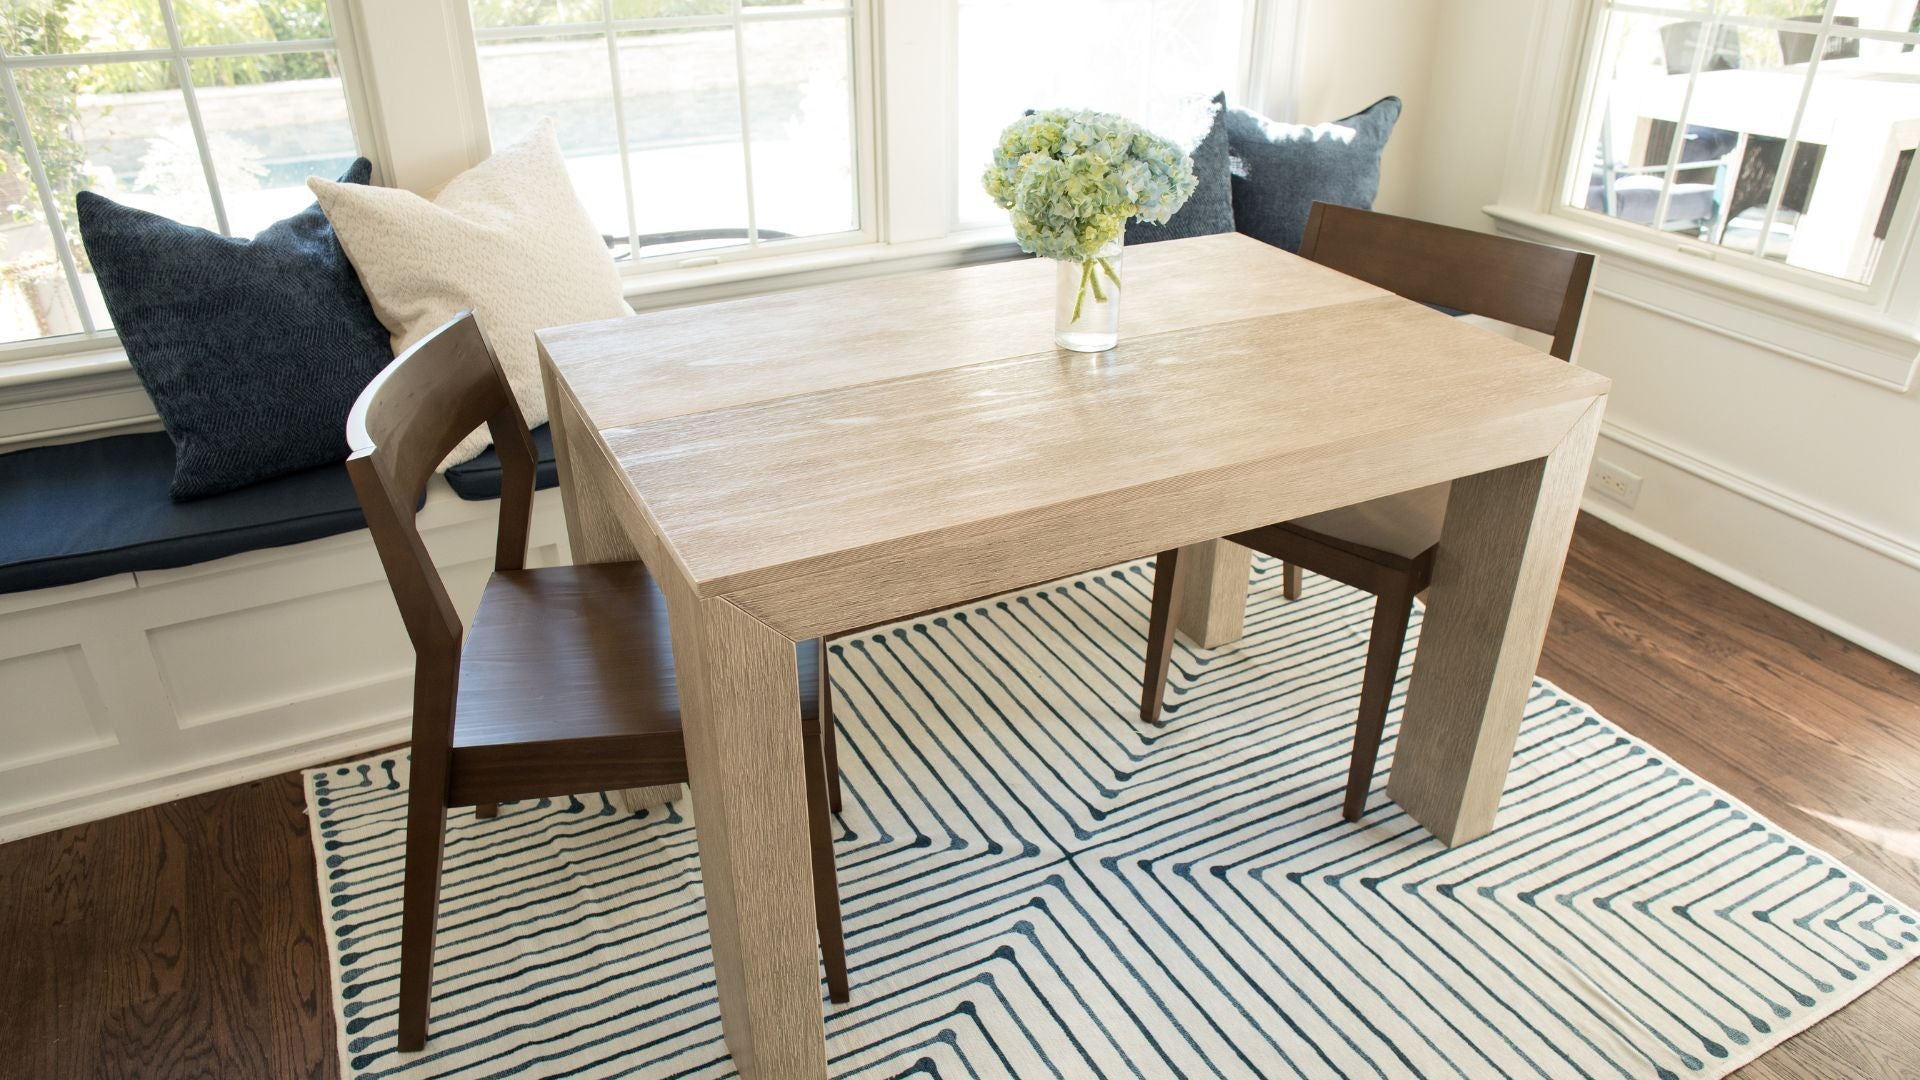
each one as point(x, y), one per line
point(413, 84)
point(1867, 331)
point(1577, 167)
point(856, 15)
point(179, 55)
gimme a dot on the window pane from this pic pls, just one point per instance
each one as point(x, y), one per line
point(229, 22)
point(122, 129)
point(571, 80)
point(1144, 59)
point(101, 127)
point(267, 137)
point(35, 300)
point(669, 9)
point(1856, 138)
point(682, 106)
point(1801, 10)
point(1900, 15)
point(490, 13)
point(137, 143)
point(800, 99)
point(686, 185)
point(1825, 206)
point(1644, 64)
point(47, 27)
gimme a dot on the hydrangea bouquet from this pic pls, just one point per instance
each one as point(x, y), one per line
point(1073, 179)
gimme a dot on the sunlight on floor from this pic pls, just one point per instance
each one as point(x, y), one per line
point(1902, 842)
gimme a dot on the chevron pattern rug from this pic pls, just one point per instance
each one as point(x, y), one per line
point(1037, 885)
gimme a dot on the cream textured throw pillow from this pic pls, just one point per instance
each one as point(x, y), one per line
point(507, 238)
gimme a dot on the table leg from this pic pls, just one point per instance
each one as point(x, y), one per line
point(1495, 576)
point(1213, 604)
point(740, 706)
point(594, 537)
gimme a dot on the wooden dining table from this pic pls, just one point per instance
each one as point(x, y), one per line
point(807, 462)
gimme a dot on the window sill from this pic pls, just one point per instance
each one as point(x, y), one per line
point(66, 372)
point(1840, 335)
point(776, 273)
point(19, 378)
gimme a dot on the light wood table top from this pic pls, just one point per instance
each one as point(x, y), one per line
point(809, 462)
point(776, 437)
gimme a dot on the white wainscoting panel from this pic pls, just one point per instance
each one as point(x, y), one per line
point(71, 720)
point(146, 687)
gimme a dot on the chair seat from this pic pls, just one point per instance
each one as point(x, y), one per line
point(577, 658)
point(1406, 524)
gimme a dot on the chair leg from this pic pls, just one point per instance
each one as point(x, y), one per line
point(826, 881)
point(1290, 580)
point(1391, 610)
point(827, 737)
point(420, 899)
point(487, 810)
point(1160, 630)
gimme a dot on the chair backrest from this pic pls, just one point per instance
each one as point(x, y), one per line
point(1532, 285)
point(402, 426)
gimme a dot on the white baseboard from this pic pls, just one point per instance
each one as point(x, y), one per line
point(1798, 535)
point(1752, 489)
point(120, 794)
point(1599, 507)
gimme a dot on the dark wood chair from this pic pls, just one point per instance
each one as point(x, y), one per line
point(566, 681)
point(1387, 546)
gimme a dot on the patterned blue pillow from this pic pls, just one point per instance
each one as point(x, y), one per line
point(252, 350)
point(1283, 169)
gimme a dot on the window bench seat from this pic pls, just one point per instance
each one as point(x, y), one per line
point(151, 649)
point(90, 509)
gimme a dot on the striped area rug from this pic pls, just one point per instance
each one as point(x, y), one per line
point(1037, 885)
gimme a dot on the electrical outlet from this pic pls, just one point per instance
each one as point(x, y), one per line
point(1614, 482)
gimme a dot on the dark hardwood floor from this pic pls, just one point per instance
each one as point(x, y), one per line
point(1816, 733)
point(184, 940)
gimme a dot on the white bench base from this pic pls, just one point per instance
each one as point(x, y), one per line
point(140, 688)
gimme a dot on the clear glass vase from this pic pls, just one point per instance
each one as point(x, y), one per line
point(1086, 313)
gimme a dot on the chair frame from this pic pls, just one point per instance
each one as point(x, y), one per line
point(402, 426)
point(1534, 286)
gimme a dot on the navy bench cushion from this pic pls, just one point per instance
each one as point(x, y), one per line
point(90, 509)
point(479, 477)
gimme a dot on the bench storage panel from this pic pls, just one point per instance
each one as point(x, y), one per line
point(148, 684)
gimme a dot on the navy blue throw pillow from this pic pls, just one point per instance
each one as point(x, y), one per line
point(252, 350)
point(1210, 209)
point(1285, 168)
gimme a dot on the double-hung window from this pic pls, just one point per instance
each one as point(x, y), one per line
point(212, 112)
point(1154, 61)
point(1777, 135)
point(688, 125)
point(694, 131)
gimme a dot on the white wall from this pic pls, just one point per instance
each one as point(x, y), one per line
point(1791, 480)
point(1352, 53)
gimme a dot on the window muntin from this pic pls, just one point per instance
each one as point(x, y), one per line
point(1778, 131)
point(207, 111)
point(688, 125)
point(1149, 60)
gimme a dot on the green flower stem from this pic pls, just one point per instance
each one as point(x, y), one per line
point(1089, 279)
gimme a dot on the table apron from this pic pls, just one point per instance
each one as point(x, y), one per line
point(897, 580)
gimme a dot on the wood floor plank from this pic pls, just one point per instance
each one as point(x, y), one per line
point(1819, 735)
point(185, 940)
point(179, 941)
